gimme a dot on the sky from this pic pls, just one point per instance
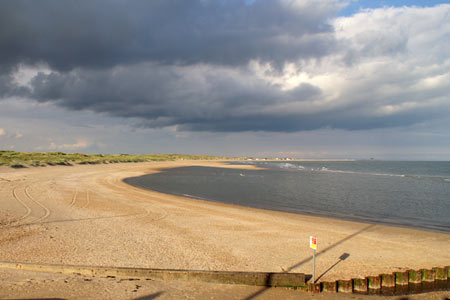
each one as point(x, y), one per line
point(263, 78)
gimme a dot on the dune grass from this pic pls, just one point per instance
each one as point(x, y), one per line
point(40, 159)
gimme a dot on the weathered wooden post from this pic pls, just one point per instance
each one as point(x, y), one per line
point(448, 276)
point(329, 287)
point(345, 286)
point(374, 284)
point(401, 283)
point(360, 286)
point(415, 281)
point(427, 280)
point(388, 284)
point(440, 278)
point(313, 287)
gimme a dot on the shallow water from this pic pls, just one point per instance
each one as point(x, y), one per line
point(411, 194)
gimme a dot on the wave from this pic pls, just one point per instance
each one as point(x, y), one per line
point(326, 169)
point(428, 177)
point(291, 166)
point(360, 173)
point(329, 169)
point(192, 197)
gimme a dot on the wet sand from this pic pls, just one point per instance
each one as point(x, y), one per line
point(86, 215)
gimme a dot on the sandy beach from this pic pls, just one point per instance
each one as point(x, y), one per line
point(86, 215)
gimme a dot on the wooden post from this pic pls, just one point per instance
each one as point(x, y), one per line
point(388, 284)
point(415, 281)
point(401, 283)
point(329, 287)
point(448, 276)
point(440, 278)
point(374, 284)
point(427, 280)
point(360, 286)
point(345, 286)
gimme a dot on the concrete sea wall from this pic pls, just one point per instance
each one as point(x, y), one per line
point(397, 283)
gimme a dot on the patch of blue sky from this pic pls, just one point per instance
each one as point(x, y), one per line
point(354, 6)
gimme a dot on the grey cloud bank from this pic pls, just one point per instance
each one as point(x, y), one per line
point(231, 66)
point(102, 34)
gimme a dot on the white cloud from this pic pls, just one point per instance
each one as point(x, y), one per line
point(24, 74)
point(80, 144)
point(9, 135)
point(391, 60)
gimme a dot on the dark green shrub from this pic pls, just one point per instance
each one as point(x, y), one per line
point(17, 166)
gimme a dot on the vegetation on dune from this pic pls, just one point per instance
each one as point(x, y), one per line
point(41, 159)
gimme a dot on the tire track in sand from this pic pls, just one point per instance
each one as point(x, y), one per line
point(74, 198)
point(47, 211)
point(88, 200)
point(27, 208)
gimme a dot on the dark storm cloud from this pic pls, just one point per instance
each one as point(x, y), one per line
point(207, 99)
point(123, 57)
point(5, 84)
point(224, 65)
point(104, 33)
point(8, 87)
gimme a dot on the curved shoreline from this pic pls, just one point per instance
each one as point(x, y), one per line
point(134, 181)
point(94, 214)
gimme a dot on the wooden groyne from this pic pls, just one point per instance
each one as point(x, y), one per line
point(397, 283)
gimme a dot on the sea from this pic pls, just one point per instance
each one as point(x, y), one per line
point(413, 194)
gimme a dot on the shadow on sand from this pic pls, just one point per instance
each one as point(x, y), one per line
point(341, 258)
point(300, 263)
point(150, 297)
point(406, 298)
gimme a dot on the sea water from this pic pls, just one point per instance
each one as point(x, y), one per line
point(410, 194)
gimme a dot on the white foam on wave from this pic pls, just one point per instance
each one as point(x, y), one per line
point(325, 169)
point(291, 166)
point(287, 165)
point(193, 197)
